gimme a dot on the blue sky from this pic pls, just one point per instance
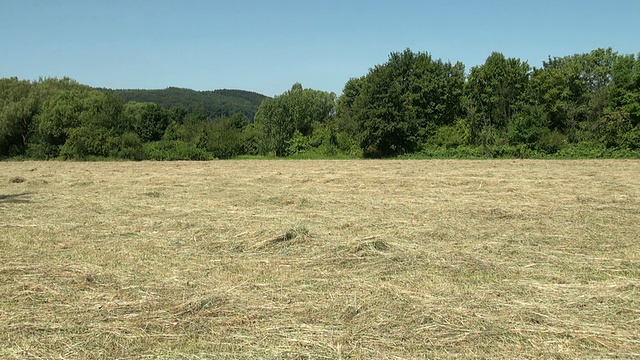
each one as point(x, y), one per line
point(266, 46)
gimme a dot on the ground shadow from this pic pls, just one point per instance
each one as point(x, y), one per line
point(21, 198)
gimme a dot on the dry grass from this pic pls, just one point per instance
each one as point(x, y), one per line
point(320, 260)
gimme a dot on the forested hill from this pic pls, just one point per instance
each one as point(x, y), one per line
point(214, 104)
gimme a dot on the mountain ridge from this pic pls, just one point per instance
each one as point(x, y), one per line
point(213, 103)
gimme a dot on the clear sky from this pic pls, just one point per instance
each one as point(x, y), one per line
point(268, 45)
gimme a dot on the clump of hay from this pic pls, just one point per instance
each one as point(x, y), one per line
point(371, 246)
point(153, 194)
point(17, 180)
point(365, 247)
point(285, 239)
point(205, 306)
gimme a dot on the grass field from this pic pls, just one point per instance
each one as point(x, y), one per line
point(320, 259)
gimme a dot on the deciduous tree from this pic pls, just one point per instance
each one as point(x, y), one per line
point(298, 109)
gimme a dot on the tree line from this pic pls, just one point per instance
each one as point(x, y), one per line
point(583, 105)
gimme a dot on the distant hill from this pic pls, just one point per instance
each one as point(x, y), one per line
point(215, 104)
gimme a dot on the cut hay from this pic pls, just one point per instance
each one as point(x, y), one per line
point(320, 260)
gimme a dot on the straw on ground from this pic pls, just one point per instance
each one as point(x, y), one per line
point(320, 259)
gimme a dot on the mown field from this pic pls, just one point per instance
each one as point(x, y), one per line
point(320, 259)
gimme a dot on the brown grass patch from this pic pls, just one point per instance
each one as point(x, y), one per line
point(320, 259)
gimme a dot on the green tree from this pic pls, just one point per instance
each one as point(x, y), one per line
point(549, 88)
point(297, 109)
point(496, 88)
point(529, 127)
point(149, 120)
point(100, 127)
point(18, 107)
point(250, 136)
point(435, 91)
point(223, 139)
point(577, 91)
point(62, 102)
point(130, 147)
point(277, 126)
point(399, 104)
point(624, 90)
point(348, 135)
point(385, 130)
point(238, 121)
point(610, 129)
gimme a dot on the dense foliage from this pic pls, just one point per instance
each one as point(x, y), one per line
point(287, 120)
point(583, 105)
point(214, 104)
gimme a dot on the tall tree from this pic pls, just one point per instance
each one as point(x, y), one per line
point(100, 128)
point(18, 107)
point(149, 120)
point(379, 111)
point(496, 88)
point(581, 92)
point(398, 105)
point(62, 103)
point(297, 109)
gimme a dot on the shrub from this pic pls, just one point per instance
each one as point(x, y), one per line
point(130, 147)
point(552, 142)
point(222, 140)
point(451, 136)
point(631, 139)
